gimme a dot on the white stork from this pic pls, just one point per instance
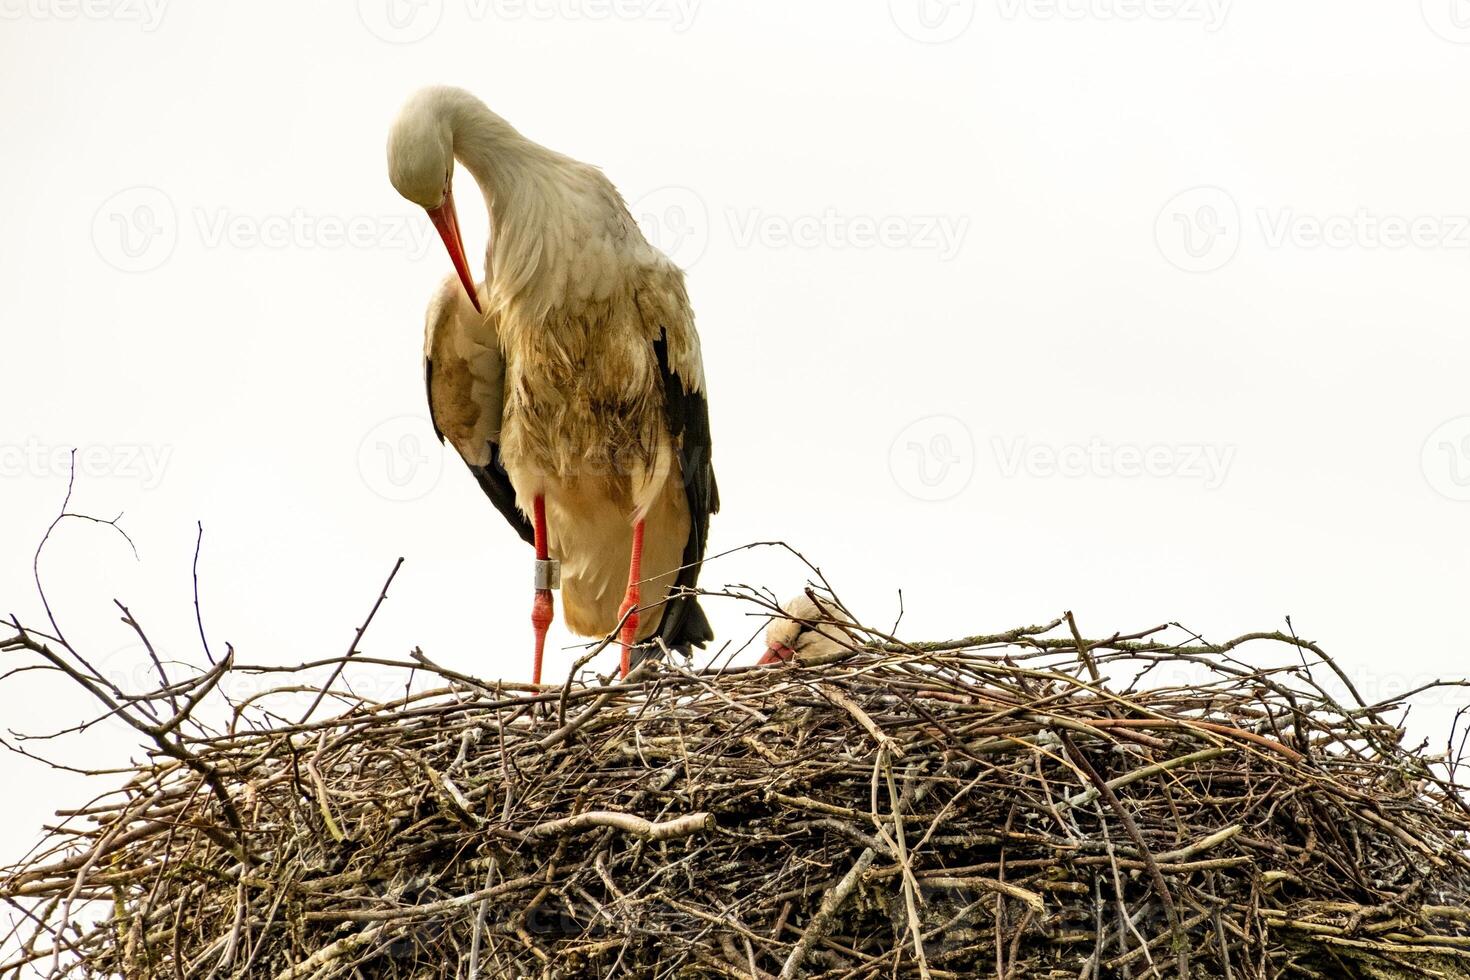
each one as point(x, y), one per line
point(572, 384)
point(810, 628)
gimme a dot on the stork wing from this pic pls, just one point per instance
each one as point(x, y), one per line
point(490, 475)
point(464, 375)
point(687, 411)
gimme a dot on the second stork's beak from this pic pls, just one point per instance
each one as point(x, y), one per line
point(447, 222)
point(780, 653)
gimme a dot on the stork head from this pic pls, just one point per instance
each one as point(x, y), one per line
point(791, 638)
point(421, 167)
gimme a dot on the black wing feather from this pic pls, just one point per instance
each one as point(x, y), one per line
point(496, 483)
point(684, 623)
point(492, 478)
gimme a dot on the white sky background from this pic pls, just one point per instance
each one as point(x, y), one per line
point(221, 357)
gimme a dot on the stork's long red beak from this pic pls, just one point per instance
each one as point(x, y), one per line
point(447, 222)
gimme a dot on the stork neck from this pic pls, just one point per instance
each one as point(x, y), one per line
point(539, 202)
point(495, 154)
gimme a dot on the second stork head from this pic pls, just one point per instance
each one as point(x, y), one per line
point(812, 627)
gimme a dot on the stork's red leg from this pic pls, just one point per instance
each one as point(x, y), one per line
point(630, 602)
point(543, 608)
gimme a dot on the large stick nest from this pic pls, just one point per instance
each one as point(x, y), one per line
point(983, 807)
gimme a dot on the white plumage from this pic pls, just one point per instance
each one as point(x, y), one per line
point(812, 628)
point(599, 408)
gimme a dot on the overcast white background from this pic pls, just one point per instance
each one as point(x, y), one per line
point(1152, 310)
